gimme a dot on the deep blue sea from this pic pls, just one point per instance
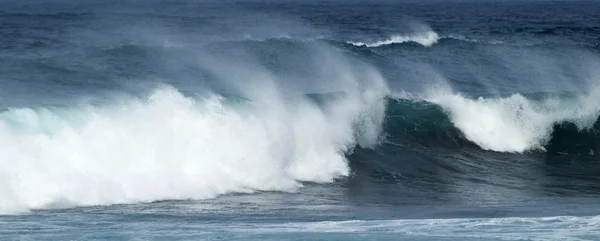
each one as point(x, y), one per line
point(299, 120)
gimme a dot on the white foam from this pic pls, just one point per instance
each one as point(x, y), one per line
point(515, 123)
point(170, 146)
point(427, 39)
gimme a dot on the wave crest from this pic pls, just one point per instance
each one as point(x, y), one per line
point(426, 39)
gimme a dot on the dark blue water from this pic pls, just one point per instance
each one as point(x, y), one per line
point(185, 120)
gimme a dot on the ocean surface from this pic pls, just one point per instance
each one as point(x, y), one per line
point(309, 120)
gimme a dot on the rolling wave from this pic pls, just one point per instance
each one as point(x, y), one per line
point(514, 124)
point(170, 146)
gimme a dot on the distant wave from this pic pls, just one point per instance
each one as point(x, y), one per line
point(426, 39)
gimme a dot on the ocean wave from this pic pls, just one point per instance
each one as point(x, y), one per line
point(170, 146)
point(513, 124)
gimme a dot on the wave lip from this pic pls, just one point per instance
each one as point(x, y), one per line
point(426, 39)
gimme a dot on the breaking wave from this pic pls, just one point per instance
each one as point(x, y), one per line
point(171, 146)
point(516, 123)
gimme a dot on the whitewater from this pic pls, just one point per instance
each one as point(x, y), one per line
point(516, 123)
point(170, 146)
